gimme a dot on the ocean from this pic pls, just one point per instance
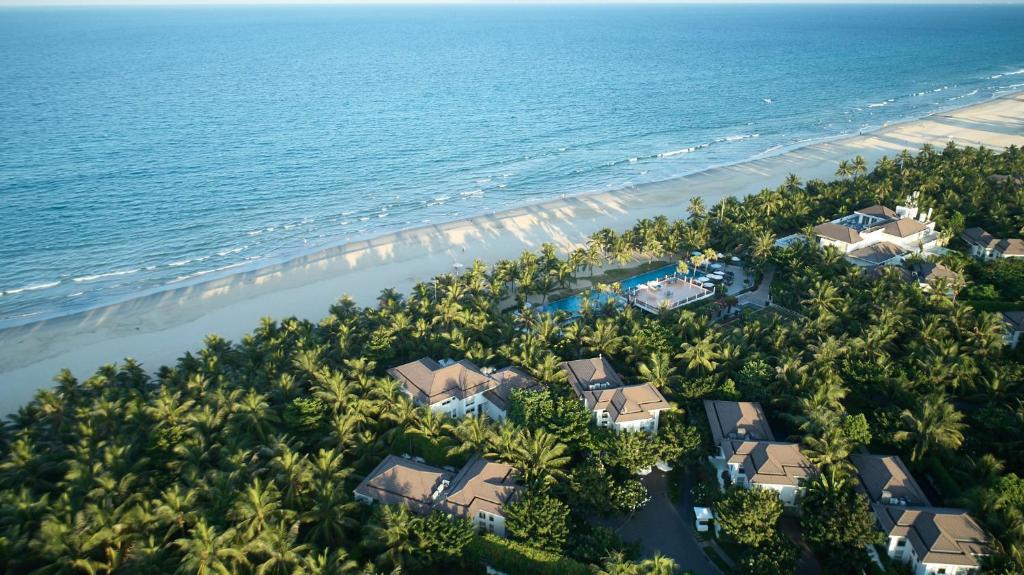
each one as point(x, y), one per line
point(143, 149)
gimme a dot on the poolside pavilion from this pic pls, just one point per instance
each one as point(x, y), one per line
point(668, 293)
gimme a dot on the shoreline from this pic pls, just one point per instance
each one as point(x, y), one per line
point(157, 328)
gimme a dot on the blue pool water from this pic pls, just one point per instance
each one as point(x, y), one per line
point(148, 148)
point(574, 303)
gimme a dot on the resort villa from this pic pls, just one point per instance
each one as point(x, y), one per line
point(927, 274)
point(747, 454)
point(614, 404)
point(985, 246)
point(460, 388)
point(932, 540)
point(1014, 321)
point(478, 492)
point(877, 235)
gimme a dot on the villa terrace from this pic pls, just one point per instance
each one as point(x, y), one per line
point(669, 293)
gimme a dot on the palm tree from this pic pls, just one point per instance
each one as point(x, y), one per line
point(701, 357)
point(845, 170)
point(277, 549)
point(208, 553)
point(658, 370)
point(830, 452)
point(333, 562)
point(540, 457)
point(258, 505)
point(936, 423)
point(392, 532)
point(473, 433)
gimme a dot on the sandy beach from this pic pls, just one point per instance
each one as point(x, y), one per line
point(157, 329)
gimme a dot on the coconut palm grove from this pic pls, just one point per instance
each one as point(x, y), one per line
point(243, 457)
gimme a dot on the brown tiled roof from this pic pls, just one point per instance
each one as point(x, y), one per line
point(585, 374)
point(884, 477)
point(877, 253)
point(878, 211)
point(597, 384)
point(508, 379)
point(737, 420)
point(402, 481)
point(769, 462)
point(428, 382)
point(903, 228)
point(938, 535)
point(838, 233)
point(931, 272)
point(979, 237)
point(481, 485)
point(1011, 247)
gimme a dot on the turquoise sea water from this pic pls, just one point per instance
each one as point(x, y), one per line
point(146, 148)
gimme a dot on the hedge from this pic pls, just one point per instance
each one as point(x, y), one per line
point(514, 558)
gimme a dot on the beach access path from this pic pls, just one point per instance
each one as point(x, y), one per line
point(159, 328)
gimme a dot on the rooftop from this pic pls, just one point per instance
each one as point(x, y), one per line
point(429, 382)
point(670, 292)
point(481, 485)
point(931, 272)
point(396, 480)
point(885, 478)
point(769, 462)
point(1014, 320)
point(938, 535)
point(837, 232)
point(877, 211)
point(979, 237)
point(586, 374)
point(904, 227)
point(878, 253)
point(596, 383)
point(736, 420)
point(508, 379)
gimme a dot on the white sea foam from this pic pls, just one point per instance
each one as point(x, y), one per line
point(632, 160)
point(877, 105)
point(681, 152)
point(34, 287)
point(484, 181)
point(223, 253)
point(997, 76)
point(93, 277)
point(473, 194)
point(205, 272)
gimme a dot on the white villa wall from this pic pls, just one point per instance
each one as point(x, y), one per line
point(650, 425)
point(906, 554)
point(489, 523)
point(458, 408)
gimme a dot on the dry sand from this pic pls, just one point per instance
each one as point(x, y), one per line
point(157, 329)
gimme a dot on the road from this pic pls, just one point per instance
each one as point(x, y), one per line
point(663, 527)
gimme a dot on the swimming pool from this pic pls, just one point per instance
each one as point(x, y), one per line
point(573, 304)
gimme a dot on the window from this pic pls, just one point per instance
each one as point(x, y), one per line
point(482, 515)
point(901, 542)
point(492, 519)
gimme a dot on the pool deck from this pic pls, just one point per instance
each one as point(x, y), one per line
point(668, 294)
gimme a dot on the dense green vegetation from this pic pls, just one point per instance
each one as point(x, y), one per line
point(241, 458)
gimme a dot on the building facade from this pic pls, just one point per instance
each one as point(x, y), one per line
point(615, 405)
point(460, 388)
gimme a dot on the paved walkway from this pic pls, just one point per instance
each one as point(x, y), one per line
point(759, 297)
point(663, 527)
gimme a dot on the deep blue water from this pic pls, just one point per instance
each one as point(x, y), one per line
point(142, 148)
